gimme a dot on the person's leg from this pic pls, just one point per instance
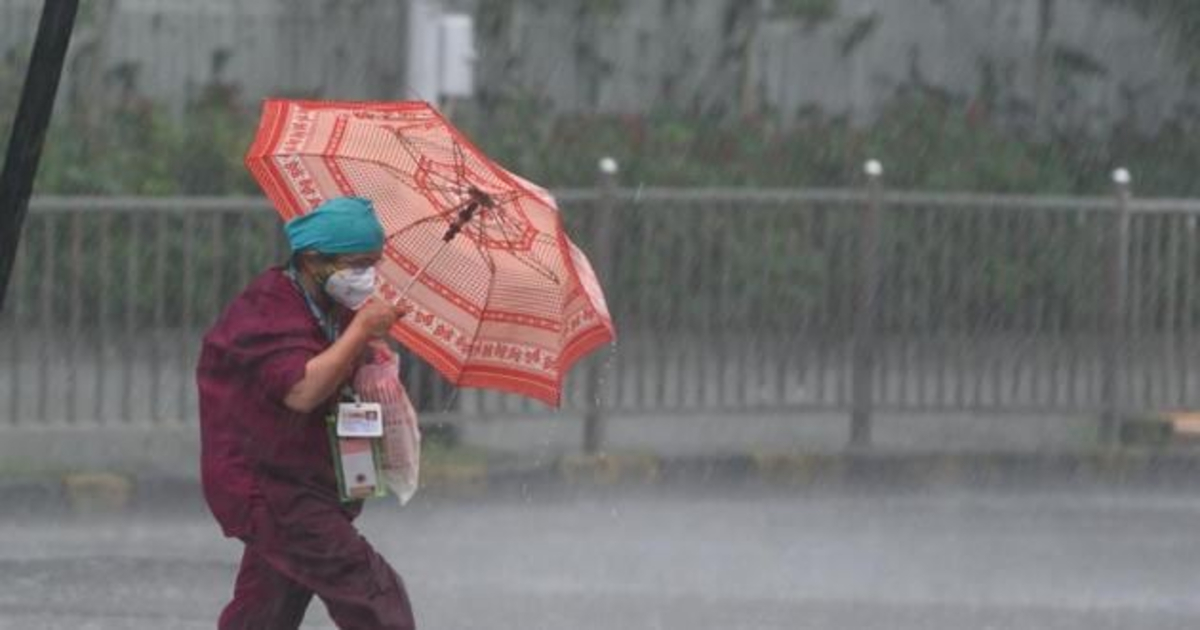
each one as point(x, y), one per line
point(263, 599)
point(316, 546)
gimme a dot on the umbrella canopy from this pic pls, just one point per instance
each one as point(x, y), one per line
point(501, 298)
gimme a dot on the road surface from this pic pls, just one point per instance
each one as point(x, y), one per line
point(661, 558)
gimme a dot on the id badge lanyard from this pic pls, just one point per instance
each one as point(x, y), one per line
point(353, 431)
point(327, 323)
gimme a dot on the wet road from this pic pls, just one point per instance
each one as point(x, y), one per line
point(656, 559)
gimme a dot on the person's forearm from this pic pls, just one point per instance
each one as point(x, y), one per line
point(326, 372)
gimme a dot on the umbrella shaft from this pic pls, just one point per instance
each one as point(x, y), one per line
point(464, 216)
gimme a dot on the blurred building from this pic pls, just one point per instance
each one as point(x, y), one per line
point(1081, 63)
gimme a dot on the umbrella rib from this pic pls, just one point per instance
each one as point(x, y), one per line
point(487, 298)
point(409, 179)
point(460, 160)
point(451, 194)
point(429, 183)
point(440, 216)
point(415, 154)
point(452, 186)
point(443, 215)
point(486, 255)
point(537, 265)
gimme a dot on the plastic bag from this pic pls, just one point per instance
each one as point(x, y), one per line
point(378, 381)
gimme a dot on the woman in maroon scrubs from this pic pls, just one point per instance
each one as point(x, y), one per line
point(270, 372)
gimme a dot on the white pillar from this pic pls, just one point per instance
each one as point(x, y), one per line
point(421, 66)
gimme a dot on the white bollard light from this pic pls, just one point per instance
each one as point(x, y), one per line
point(609, 166)
point(873, 168)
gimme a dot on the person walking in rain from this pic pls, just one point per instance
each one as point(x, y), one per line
point(270, 371)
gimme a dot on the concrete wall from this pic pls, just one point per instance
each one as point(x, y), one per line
point(1085, 62)
point(169, 49)
point(1082, 63)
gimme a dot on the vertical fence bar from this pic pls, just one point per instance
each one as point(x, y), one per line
point(1135, 268)
point(1151, 379)
point(187, 291)
point(1187, 312)
point(1052, 320)
point(687, 351)
point(865, 306)
point(960, 280)
point(1078, 378)
point(928, 381)
point(160, 298)
point(772, 351)
point(822, 238)
point(1115, 303)
point(593, 419)
point(46, 317)
point(844, 308)
point(104, 273)
point(944, 316)
point(1170, 341)
point(1019, 321)
point(75, 317)
point(978, 288)
point(20, 295)
point(994, 360)
point(799, 230)
point(132, 279)
point(647, 357)
point(664, 317)
point(726, 357)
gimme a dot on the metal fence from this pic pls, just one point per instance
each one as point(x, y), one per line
point(735, 300)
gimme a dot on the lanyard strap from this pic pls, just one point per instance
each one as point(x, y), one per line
point(327, 324)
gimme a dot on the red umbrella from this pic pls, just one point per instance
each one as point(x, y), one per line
point(501, 297)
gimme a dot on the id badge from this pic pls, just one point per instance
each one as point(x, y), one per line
point(358, 474)
point(360, 420)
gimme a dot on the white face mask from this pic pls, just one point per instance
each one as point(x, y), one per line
point(351, 287)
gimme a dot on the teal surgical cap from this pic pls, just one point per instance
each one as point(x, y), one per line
point(345, 225)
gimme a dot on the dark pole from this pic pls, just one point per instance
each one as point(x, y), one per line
point(1116, 342)
point(865, 306)
point(593, 417)
point(29, 127)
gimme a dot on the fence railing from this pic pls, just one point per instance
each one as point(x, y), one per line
point(734, 300)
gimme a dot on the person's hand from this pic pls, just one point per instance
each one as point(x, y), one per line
point(376, 318)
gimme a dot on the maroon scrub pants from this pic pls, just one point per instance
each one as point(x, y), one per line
point(314, 549)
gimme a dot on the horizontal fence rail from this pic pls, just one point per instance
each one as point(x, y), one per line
point(731, 300)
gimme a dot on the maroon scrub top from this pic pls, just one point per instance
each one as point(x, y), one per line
point(253, 447)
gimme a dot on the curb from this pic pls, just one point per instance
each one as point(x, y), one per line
point(105, 491)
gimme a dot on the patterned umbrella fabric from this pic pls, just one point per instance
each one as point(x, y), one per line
point(501, 298)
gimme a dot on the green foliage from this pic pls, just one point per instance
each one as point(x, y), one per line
point(128, 154)
point(693, 265)
point(140, 149)
point(925, 141)
point(928, 143)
